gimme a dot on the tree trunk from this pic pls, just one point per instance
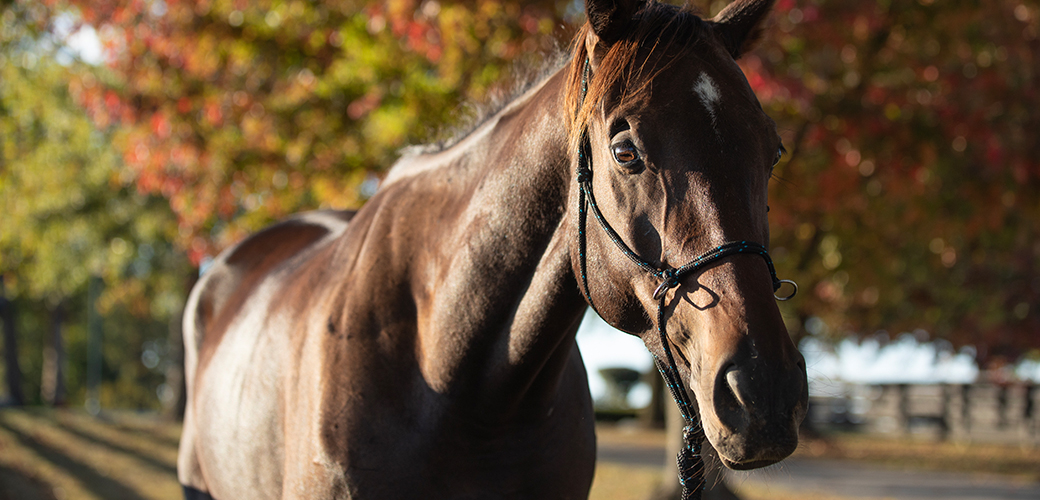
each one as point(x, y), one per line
point(95, 348)
point(15, 396)
point(176, 399)
point(52, 386)
point(653, 416)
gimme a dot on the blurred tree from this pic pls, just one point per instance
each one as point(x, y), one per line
point(68, 214)
point(908, 199)
point(242, 112)
point(911, 194)
point(12, 366)
point(620, 381)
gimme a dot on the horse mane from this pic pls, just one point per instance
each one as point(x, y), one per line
point(523, 76)
point(656, 27)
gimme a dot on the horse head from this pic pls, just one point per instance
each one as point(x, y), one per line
point(679, 154)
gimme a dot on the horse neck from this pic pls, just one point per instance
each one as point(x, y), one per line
point(499, 306)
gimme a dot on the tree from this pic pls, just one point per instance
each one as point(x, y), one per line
point(241, 112)
point(904, 203)
point(238, 113)
point(908, 198)
point(68, 215)
point(13, 367)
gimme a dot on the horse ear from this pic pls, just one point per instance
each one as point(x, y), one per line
point(610, 18)
point(739, 25)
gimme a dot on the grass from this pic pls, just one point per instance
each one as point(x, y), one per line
point(68, 455)
point(623, 482)
point(626, 482)
point(60, 454)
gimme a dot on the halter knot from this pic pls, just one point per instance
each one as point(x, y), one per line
point(584, 175)
point(690, 462)
point(671, 280)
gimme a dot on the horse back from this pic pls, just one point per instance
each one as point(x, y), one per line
point(235, 275)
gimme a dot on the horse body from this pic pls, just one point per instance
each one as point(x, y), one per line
point(425, 345)
point(456, 365)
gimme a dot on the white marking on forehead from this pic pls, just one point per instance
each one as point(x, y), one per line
point(706, 89)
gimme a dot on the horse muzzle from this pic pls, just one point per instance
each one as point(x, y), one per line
point(755, 412)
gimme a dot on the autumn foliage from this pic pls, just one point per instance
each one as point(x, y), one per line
point(910, 196)
point(241, 112)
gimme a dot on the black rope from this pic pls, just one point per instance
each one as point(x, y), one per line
point(689, 460)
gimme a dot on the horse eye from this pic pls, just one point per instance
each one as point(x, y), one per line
point(779, 153)
point(625, 153)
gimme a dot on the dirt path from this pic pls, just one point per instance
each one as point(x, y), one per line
point(828, 478)
point(67, 455)
point(865, 481)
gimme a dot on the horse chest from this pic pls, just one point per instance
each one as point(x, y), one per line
point(242, 404)
point(382, 453)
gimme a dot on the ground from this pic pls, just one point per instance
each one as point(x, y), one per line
point(67, 454)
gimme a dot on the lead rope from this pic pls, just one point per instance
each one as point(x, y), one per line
point(689, 460)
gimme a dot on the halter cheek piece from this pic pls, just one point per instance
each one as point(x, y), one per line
point(689, 460)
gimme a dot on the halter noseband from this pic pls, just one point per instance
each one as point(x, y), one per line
point(689, 460)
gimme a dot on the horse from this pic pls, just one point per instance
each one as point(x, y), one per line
point(425, 344)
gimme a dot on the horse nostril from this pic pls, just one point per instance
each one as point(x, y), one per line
point(738, 384)
point(731, 399)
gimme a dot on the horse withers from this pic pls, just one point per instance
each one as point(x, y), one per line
point(424, 346)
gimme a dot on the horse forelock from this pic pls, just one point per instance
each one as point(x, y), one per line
point(658, 27)
point(655, 29)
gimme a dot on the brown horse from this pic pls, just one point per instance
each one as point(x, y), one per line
point(424, 346)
